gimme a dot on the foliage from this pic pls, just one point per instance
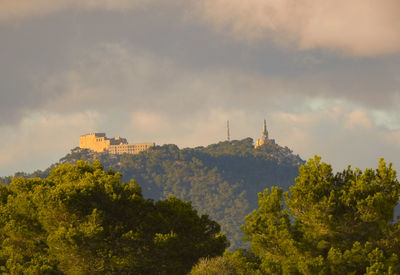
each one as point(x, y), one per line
point(222, 179)
point(333, 224)
point(5, 180)
point(214, 266)
point(240, 262)
point(84, 220)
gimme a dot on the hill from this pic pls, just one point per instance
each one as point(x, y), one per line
point(222, 179)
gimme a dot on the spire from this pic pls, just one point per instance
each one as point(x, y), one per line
point(265, 132)
point(228, 131)
point(264, 138)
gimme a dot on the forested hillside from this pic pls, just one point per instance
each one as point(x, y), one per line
point(221, 179)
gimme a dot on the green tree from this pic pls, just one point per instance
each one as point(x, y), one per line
point(329, 223)
point(240, 262)
point(84, 220)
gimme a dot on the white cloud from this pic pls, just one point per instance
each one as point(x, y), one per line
point(358, 27)
point(340, 134)
point(358, 118)
point(41, 137)
point(298, 130)
point(209, 127)
point(149, 122)
point(199, 129)
point(111, 76)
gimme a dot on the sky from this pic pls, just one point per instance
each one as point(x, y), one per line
point(324, 74)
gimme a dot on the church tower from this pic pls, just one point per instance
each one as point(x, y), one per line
point(264, 138)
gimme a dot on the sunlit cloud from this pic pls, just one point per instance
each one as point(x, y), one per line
point(356, 28)
point(356, 119)
point(359, 27)
point(42, 137)
point(149, 122)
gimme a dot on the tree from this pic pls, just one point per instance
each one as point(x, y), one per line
point(329, 223)
point(240, 262)
point(82, 219)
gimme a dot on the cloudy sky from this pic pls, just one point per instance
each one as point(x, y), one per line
point(325, 75)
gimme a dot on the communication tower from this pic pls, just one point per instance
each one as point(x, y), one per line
point(228, 131)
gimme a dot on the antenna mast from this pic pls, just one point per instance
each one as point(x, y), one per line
point(228, 131)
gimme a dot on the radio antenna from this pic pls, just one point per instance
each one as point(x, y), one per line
point(228, 131)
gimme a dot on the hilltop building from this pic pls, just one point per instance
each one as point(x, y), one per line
point(98, 142)
point(264, 139)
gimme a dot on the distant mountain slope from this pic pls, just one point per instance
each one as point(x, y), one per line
point(221, 179)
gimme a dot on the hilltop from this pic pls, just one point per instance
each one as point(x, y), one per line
point(221, 179)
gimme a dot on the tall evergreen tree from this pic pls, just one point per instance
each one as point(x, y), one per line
point(329, 223)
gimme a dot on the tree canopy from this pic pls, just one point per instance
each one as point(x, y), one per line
point(329, 223)
point(83, 220)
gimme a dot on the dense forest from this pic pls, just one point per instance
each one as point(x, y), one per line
point(82, 219)
point(222, 179)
